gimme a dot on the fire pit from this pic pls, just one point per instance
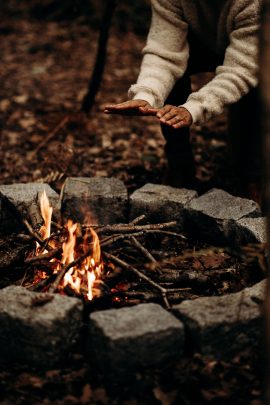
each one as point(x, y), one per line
point(123, 258)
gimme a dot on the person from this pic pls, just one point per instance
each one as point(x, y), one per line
point(191, 36)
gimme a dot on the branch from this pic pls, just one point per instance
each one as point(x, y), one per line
point(141, 275)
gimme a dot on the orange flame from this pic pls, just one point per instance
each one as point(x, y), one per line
point(46, 213)
point(69, 246)
point(80, 278)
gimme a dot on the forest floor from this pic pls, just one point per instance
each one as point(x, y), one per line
point(45, 68)
point(44, 72)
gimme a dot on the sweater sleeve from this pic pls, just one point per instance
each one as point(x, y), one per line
point(165, 54)
point(237, 75)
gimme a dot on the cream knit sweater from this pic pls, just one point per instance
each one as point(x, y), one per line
point(228, 27)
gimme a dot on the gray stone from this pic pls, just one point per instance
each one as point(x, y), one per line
point(18, 200)
point(35, 332)
point(160, 203)
point(248, 230)
point(126, 340)
point(95, 200)
point(224, 326)
point(212, 214)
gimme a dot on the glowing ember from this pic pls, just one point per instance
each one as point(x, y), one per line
point(81, 277)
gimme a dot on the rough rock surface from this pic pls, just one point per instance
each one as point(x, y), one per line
point(213, 213)
point(37, 328)
point(160, 203)
point(223, 326)
point(248, 230)
point(23, 200)
point(128, 339)
point(95, 200)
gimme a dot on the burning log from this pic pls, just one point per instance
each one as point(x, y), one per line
point(45, 256)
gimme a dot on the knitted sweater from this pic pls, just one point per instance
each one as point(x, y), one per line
point(228, 27)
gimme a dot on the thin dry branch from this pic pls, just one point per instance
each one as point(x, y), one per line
point(125, 228)
point(141, 275)
point(50, 135)
point(137, 220)
point(146, 253)
point(31, 232)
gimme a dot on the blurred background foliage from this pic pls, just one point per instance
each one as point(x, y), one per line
point(130, 15)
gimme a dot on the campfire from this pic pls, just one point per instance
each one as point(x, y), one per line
point(67, 259)
point(75, 257)
point(125, 263)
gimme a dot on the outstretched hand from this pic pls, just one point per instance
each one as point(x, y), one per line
point(132, 107)
point(176, 117)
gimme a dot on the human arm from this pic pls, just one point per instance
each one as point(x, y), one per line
point(165, 54)
point(130, 107)
point(239, 72)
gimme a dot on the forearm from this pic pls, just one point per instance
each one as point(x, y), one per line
point(234, 79)
point(165, 55)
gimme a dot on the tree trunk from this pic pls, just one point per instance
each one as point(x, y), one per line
point(265, 127)
point(97, 74)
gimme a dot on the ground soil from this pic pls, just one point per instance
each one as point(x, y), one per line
point(44, 71)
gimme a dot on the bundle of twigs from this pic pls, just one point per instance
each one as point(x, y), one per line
point(109, 235)
point(118, 242)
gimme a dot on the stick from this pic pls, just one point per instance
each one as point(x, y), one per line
point(140, 275)
point(46, 256)
point(137, 220)
point(134, 222)
point(31, 231)
point(177, 235)
point(50, 135)
point(146, 253)
point(42, 284)
point(114, 238)
point(148, 296)
point(122, 228)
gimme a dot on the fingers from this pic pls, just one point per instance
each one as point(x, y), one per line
point(148, 111)
point(176, 117)
point(132, 106)
point(164, 110)
point(119, 107)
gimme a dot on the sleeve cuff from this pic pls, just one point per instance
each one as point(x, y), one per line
point(143, 93)
point(196, 110)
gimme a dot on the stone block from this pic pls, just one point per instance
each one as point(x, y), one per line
point(37, 328)
point(160, 203)
point(224, 326)
point(248, 230)
point(18, 200)
point(95, 200)
point(212, 214)
point(124, 341)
